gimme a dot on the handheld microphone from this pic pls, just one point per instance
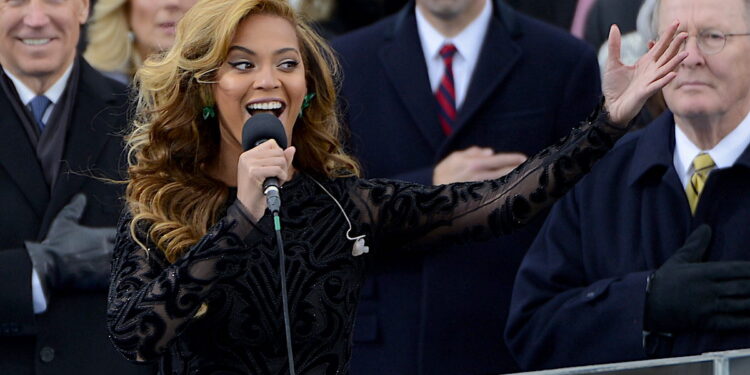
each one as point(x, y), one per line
point(258, 129)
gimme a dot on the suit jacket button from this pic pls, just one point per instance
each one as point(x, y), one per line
point(47, 354)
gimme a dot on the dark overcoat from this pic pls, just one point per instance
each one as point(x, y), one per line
point(580, 293)
point(444, 312)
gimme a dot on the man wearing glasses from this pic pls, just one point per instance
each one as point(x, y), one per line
point(649, 256)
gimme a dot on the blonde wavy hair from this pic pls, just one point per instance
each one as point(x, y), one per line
point(110, 47)
point(171, 145)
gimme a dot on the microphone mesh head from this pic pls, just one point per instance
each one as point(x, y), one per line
point(262, 127)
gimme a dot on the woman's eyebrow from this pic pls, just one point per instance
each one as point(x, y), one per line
point(251, 52)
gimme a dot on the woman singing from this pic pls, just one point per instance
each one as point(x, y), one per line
point(195, 278)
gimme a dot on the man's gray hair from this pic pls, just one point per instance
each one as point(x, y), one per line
point(655, 18)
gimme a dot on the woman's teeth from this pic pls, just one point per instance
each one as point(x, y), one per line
point(267, 106)
point(274, 108)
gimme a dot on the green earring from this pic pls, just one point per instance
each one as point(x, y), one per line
point(306, 103)
point(209, 112)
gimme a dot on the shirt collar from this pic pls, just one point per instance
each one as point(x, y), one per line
point(724, 154)
point(468, 42)
point(53, 93)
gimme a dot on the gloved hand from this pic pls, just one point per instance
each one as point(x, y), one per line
point(73, 256)
point(687, 295)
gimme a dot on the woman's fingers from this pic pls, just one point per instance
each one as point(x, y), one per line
point(613, 45)
point(664, 41)
point(267, 149)
point(262, 173)
point(673, 49)
point(268, 145)
point(265, 161)
point(671, 65)
point(254, 160)
point(660, 83)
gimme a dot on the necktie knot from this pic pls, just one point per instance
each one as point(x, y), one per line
point(702, 165)
point(39, 105)
point(447, 51)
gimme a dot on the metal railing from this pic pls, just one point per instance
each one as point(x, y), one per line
point(734, 362)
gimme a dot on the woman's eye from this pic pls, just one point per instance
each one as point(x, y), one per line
point(241, 65)
point(288, 64)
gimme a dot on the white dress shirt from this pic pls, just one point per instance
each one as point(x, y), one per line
point(53, 93)
point(26, 95)
point(724, 154)
point(468, 45)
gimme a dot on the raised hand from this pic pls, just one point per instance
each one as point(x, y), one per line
point(626, 88)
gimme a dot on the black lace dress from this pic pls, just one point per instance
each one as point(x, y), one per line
point(234, 268)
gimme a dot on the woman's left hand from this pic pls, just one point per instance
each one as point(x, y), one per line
point(626, 88)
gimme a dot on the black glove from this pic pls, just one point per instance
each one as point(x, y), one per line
point(73, 256)
point(686, 295)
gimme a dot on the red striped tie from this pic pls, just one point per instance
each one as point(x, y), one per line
point(446, 93)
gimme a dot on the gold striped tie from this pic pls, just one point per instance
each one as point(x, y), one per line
point(702, 164)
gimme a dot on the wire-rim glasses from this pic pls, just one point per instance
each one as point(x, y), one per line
point(711, 41)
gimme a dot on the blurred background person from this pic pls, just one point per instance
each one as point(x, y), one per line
point(605, 13)
point(556, 12)
point(123, 33)
point(336, 17)
point(61, 120)
point(516, 85)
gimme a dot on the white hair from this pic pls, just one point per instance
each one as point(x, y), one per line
point(646, 19)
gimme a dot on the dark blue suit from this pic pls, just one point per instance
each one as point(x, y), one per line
point(580, 292)
point(444, 313)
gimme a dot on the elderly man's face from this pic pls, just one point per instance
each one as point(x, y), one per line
point(38, 37)
point(710, 85)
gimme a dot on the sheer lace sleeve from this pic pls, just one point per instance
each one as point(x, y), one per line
point(399, 214)
point(152, 301)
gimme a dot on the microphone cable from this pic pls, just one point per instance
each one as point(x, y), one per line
point(256, 130)
point(284, 294)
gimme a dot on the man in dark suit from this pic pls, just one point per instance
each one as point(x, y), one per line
point(529, 83)
point(615, 274)
point(62, 123)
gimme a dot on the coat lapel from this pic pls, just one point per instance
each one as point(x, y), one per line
point(18, 157)
point(499, 54)
point(88, 134)
point(403, 61)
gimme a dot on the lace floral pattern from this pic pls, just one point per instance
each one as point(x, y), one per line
point(233, 269)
